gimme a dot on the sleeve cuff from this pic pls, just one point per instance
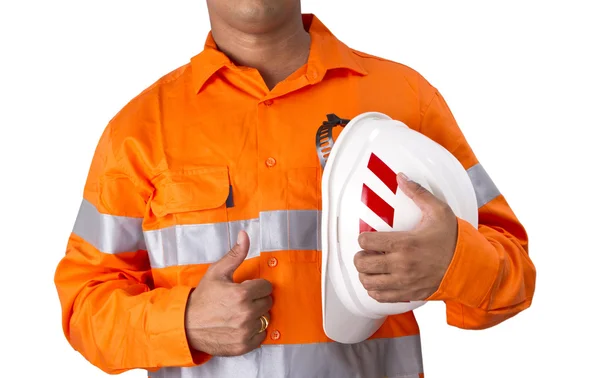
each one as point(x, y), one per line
point(167, 332)
point(472, 271)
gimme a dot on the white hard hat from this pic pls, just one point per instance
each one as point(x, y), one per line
point(360, 193)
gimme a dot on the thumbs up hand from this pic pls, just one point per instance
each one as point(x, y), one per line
point(223, 318)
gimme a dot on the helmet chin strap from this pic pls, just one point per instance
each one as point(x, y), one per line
point(324, 137)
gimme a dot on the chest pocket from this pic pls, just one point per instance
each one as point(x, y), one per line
point(202, 192)
point(189, 212)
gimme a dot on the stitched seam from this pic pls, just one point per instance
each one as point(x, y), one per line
point(422, 114)
point(488, 293)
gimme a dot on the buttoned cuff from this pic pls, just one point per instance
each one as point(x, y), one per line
point(472, 271)
point(167, 332)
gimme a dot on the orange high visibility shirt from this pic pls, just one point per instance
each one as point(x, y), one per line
point(207, 151)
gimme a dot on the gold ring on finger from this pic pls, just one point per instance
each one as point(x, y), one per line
point(264, 323)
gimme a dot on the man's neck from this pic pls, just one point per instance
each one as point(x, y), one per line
point(275, 54)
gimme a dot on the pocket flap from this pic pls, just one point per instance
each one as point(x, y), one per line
point(190, 190)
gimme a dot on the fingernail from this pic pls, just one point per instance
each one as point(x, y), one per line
point(239, 238)
point(403, 176)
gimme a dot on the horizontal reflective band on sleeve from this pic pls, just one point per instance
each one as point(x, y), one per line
point(485, 189)
point(108, 233)
point(207, 243)
point(394, 357)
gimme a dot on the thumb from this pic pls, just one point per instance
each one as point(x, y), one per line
point(422, 197)
point(224, 268)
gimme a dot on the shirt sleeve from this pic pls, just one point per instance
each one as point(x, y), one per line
point(111, 312)
point(491, 276)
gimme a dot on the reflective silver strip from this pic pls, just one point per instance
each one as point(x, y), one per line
point(108, 233)
point(207, 243)
point(290, 230)
point(392, 358)
point(485, 189)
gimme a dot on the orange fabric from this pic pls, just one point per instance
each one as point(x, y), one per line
point(491, 277)
point(169, 158)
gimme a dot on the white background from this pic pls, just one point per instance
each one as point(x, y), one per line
point(521, 77)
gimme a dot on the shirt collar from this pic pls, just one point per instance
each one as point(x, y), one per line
point(326, 53)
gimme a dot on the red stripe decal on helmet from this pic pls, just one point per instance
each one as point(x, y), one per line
point(378, 205)
point(383, 172)
point(364, 227)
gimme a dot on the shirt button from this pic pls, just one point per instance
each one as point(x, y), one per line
point(270, 162)
point(275, 335)
point(272, 262)
point(269, 102)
